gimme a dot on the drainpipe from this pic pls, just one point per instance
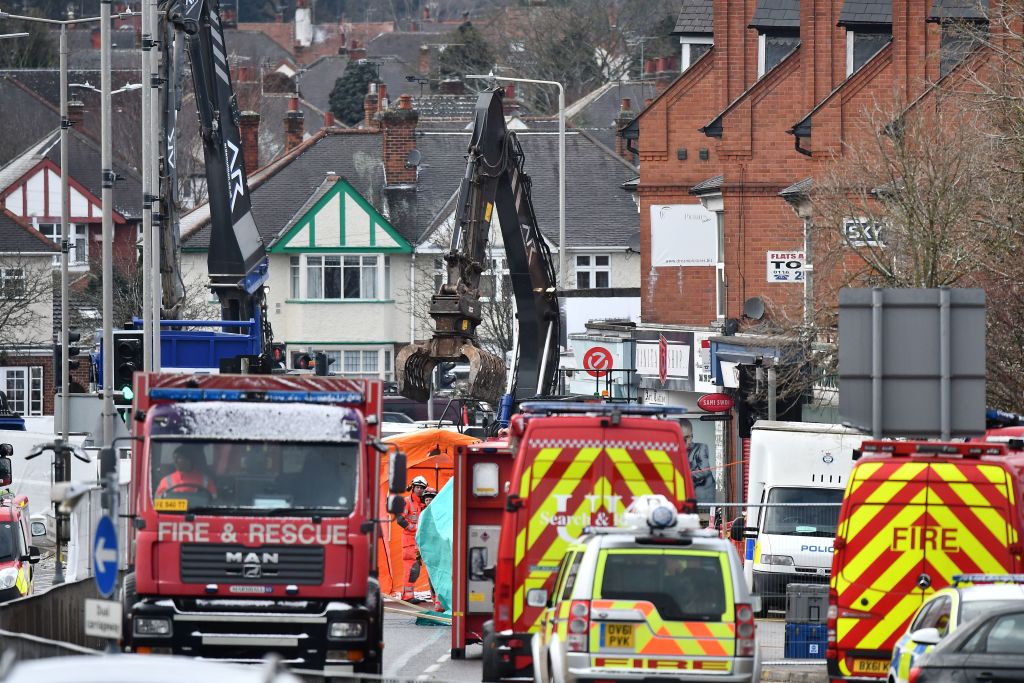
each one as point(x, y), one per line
point(412, 299)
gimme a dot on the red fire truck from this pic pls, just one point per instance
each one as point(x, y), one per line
point(254, 508)
point(520, 502)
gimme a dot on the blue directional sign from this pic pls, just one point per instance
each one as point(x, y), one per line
point(104, 556)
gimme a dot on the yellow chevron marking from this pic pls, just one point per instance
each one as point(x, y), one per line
point(666, 470)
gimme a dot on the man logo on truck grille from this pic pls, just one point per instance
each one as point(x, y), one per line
point(251, 558)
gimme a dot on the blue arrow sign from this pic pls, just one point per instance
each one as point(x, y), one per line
point(104, 556)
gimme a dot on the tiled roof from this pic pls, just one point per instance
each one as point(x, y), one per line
point(18, 238)
point(694, 17)
point(958, 9)
point(403, 45)
point(256, 47)
point(317, 80)
point(798, 189)
point(711, 185)
point(447, 107)
point(46, 82)
point(866, 12)
point(776, 14)
point(598, 212)
point(84, 161)
point(24, 118)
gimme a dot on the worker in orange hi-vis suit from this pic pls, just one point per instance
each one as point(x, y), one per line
point(409, 520)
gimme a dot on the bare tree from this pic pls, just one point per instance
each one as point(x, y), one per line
point(26, 301)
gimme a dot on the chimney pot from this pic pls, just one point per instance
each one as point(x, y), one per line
point(510, 91)
point(405, 102)
point(293, 104)
point(328, 119)
point(625, 104)
point(382, 97)
point(249, 128)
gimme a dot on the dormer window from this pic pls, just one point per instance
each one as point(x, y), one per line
point(694, 46)
point(864, 43)
point(773, 47)
point(963, 26)
point(778, 32)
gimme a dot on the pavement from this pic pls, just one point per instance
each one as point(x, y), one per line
point(795, 673)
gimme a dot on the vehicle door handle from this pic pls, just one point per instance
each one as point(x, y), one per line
point(985, 676)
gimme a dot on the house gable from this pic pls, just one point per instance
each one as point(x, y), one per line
point(36, 194)
point(338, 219)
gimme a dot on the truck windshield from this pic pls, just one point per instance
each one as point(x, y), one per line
point(793, 520)
point(231, 477)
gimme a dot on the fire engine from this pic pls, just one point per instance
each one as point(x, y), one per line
point(255, 525)
point(521, 502)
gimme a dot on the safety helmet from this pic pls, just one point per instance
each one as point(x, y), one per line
point(419, 481)
point(429, 492)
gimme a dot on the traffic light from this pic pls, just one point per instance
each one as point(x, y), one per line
point(128, 360)
point(322, 364)
point(58, 371)
point(302, 361)
point(445, 374)
point(277, 355)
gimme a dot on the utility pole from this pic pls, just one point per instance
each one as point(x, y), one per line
point(108, 228)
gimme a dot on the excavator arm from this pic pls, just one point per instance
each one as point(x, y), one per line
point(237, 259)
point(494, 181)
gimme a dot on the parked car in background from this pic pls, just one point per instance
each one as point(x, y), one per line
point(989, 648)
point(970, 596)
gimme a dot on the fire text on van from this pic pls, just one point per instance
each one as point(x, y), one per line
point(925, 538)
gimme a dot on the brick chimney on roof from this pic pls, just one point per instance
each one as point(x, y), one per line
point(399, 140)
point(370, 107)
point(249, 127)
point(424, 60)
point(294, 128)
point(76, 112)
point(623, 119)
point(667, 71)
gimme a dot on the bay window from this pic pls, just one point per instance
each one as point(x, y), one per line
point(341, 277)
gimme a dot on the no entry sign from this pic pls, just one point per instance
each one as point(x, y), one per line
point(597, 361)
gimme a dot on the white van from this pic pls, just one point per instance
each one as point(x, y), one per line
point(793, 464)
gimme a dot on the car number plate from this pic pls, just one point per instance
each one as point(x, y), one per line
point(870, 666)
point(617, 636)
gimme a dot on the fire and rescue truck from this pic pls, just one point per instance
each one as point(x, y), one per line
point(520, 503)
point(916, 513)
point(255, 519)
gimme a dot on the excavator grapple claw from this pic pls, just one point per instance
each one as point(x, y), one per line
point(416, 362)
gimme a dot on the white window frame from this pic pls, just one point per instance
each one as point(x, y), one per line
point(762, 49)
point(383, 356)
point(382, 282)
point(29, 400)
point(851, 38)
point(592, 269)
point(79, 233)
point(685, 43)
point(9, 277)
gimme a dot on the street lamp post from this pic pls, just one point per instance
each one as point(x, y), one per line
point(563, 274)
point(62, 468)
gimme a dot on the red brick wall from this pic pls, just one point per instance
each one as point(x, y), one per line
point(756, 153)
point(399, 139)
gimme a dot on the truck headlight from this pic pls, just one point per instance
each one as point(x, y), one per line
point(346, 629)
point(8, 577)
point(151, 626)
point(777, 559)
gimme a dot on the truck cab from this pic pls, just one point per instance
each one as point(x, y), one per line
point(252, 498)
point(17, 554)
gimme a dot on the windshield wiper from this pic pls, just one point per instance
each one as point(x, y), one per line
point(302, 511)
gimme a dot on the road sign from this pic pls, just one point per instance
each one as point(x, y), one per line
point(104, 556)
point(662, 359)
point(597, 361)
point(103, 618)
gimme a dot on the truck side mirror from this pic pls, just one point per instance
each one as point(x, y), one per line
point(33, 555)
point(396, 504)
point(737, 531)
point(6, 469)
point(537, 597)
point(396, 472)
point(513, 502)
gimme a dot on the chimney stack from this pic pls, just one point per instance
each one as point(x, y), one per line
point(424, 60)
point(452, 86)
point(624, 117)
point(328, 119)
point(399, 140)
point(76, 112)
point(249, 127)
point(667, 70)
point(382, 97)
point(294, 128)
point(370, 107)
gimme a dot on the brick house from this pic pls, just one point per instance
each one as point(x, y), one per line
point(728, 152)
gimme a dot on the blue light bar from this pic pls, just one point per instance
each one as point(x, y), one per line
point(272, 396)
point(534, 407)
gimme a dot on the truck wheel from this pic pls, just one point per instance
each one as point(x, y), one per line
point(370, 665)
point(489, 659)
point(129, 597)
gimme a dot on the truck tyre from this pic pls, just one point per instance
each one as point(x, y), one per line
point(489, 659)
point(129, 597)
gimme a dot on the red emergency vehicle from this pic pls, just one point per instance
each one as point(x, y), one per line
point(520, 503)
point(278, 553)
point(17, 555)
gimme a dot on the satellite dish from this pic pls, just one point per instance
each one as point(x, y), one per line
point(413, 160)
point(633, 243)
point(753, 308)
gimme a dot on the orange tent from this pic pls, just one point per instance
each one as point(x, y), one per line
point(429, 453)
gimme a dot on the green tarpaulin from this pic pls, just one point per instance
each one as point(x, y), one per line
point(434, 539)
